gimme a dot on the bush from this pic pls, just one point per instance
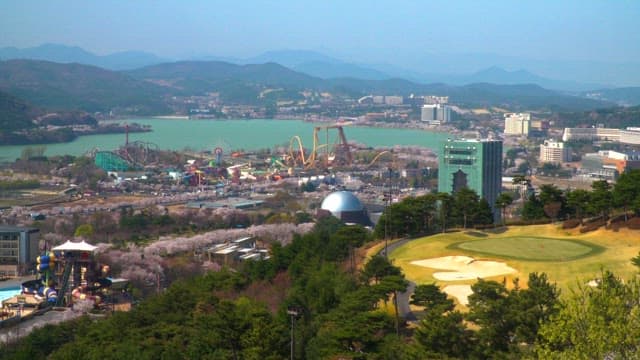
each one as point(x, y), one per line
point(634, 223)
point(593, 225)
point(529, 222)
point(571, 223)
point(618, 219)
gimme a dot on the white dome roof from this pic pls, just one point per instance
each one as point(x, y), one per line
point(341, 201)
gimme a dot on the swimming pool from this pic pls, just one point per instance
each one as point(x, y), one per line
point(8, 292)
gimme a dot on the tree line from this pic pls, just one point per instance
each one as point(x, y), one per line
point(602, 201)
point(437, 212)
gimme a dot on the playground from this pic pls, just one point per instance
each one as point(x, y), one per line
point(456, 260)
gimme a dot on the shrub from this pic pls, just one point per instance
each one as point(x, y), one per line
point(634, 223)
point(593, 225)
point(571, 223)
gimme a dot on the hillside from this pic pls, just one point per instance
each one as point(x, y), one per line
point(232, 81)
point(75, 86)
point(15, 114)
point(626, 96)
point(615, 117)
point(236, 83)
point(145, 91)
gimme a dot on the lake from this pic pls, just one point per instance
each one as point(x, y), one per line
point(179, 134)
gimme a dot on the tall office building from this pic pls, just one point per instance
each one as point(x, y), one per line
point(517, 124)
point(474, 164)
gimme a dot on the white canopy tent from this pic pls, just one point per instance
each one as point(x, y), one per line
point(75, 246)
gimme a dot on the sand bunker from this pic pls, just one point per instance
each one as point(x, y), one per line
point(464, 268)
point(460, 292)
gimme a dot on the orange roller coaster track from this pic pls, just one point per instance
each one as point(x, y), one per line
point(341, 148)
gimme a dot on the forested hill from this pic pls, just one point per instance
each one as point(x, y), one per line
point(196, 77)
point(147, 90)
point(74, 86)
point(15, 114)
point(616, 117)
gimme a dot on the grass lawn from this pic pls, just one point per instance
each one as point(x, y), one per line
point(567, 257)
point(530, 248)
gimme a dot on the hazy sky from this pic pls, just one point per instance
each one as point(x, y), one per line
point(360, 31)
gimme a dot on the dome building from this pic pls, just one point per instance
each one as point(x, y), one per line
point(346, 207)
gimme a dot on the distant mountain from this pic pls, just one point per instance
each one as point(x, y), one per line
point(317, 64)
point(244, 83)
point(339, 70)
point(326, 67)
point(291, 58)
point(517, 97)
point(74, 86)
point(627, 96)
point(73, 54)
point(146, 90)
point(236, 83)
point(497, 75)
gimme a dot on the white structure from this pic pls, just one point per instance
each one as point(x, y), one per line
point(432, 99)
point(630, 136)
point(393, 100)
point(517, 124)
point(436, 114)
point(554, 152)
point(591, 134)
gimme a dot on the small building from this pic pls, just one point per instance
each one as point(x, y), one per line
point(18, 250)
point(554, 152)
point(235, 251)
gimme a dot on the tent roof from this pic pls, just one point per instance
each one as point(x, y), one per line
point(75, 246)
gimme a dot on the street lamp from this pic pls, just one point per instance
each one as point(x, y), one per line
point(386, 215)
point(293, 312)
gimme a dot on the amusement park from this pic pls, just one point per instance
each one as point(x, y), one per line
point(329, 151)
point(67, 275)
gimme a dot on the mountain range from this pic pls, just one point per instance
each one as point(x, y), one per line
point(319, 65)
point(145, 90)
point(73, 54)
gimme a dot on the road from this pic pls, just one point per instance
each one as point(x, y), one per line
point(404, 309)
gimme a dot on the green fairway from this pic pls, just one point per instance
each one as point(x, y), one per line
point(530, 248)
point(567, 256)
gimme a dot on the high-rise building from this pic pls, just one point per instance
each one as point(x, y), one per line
point(554, 152)
point(428, 112)
point(436, 114)
point(517, 124)
point(474, 164)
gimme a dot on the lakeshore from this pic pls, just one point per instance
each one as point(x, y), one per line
point(250, 134)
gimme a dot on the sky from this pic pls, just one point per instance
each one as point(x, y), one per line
point(396, 32)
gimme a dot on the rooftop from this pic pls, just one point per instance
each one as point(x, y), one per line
point(18, 229)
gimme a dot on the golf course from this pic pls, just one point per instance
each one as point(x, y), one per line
point(568, 257)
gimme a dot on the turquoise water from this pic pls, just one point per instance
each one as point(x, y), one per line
point(6, 293)
point(178, 134)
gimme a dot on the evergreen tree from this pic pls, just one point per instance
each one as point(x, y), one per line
point(533, 209)
point(484, 214)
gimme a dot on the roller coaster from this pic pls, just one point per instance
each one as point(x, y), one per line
point(134, 155)
point(336, 153)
